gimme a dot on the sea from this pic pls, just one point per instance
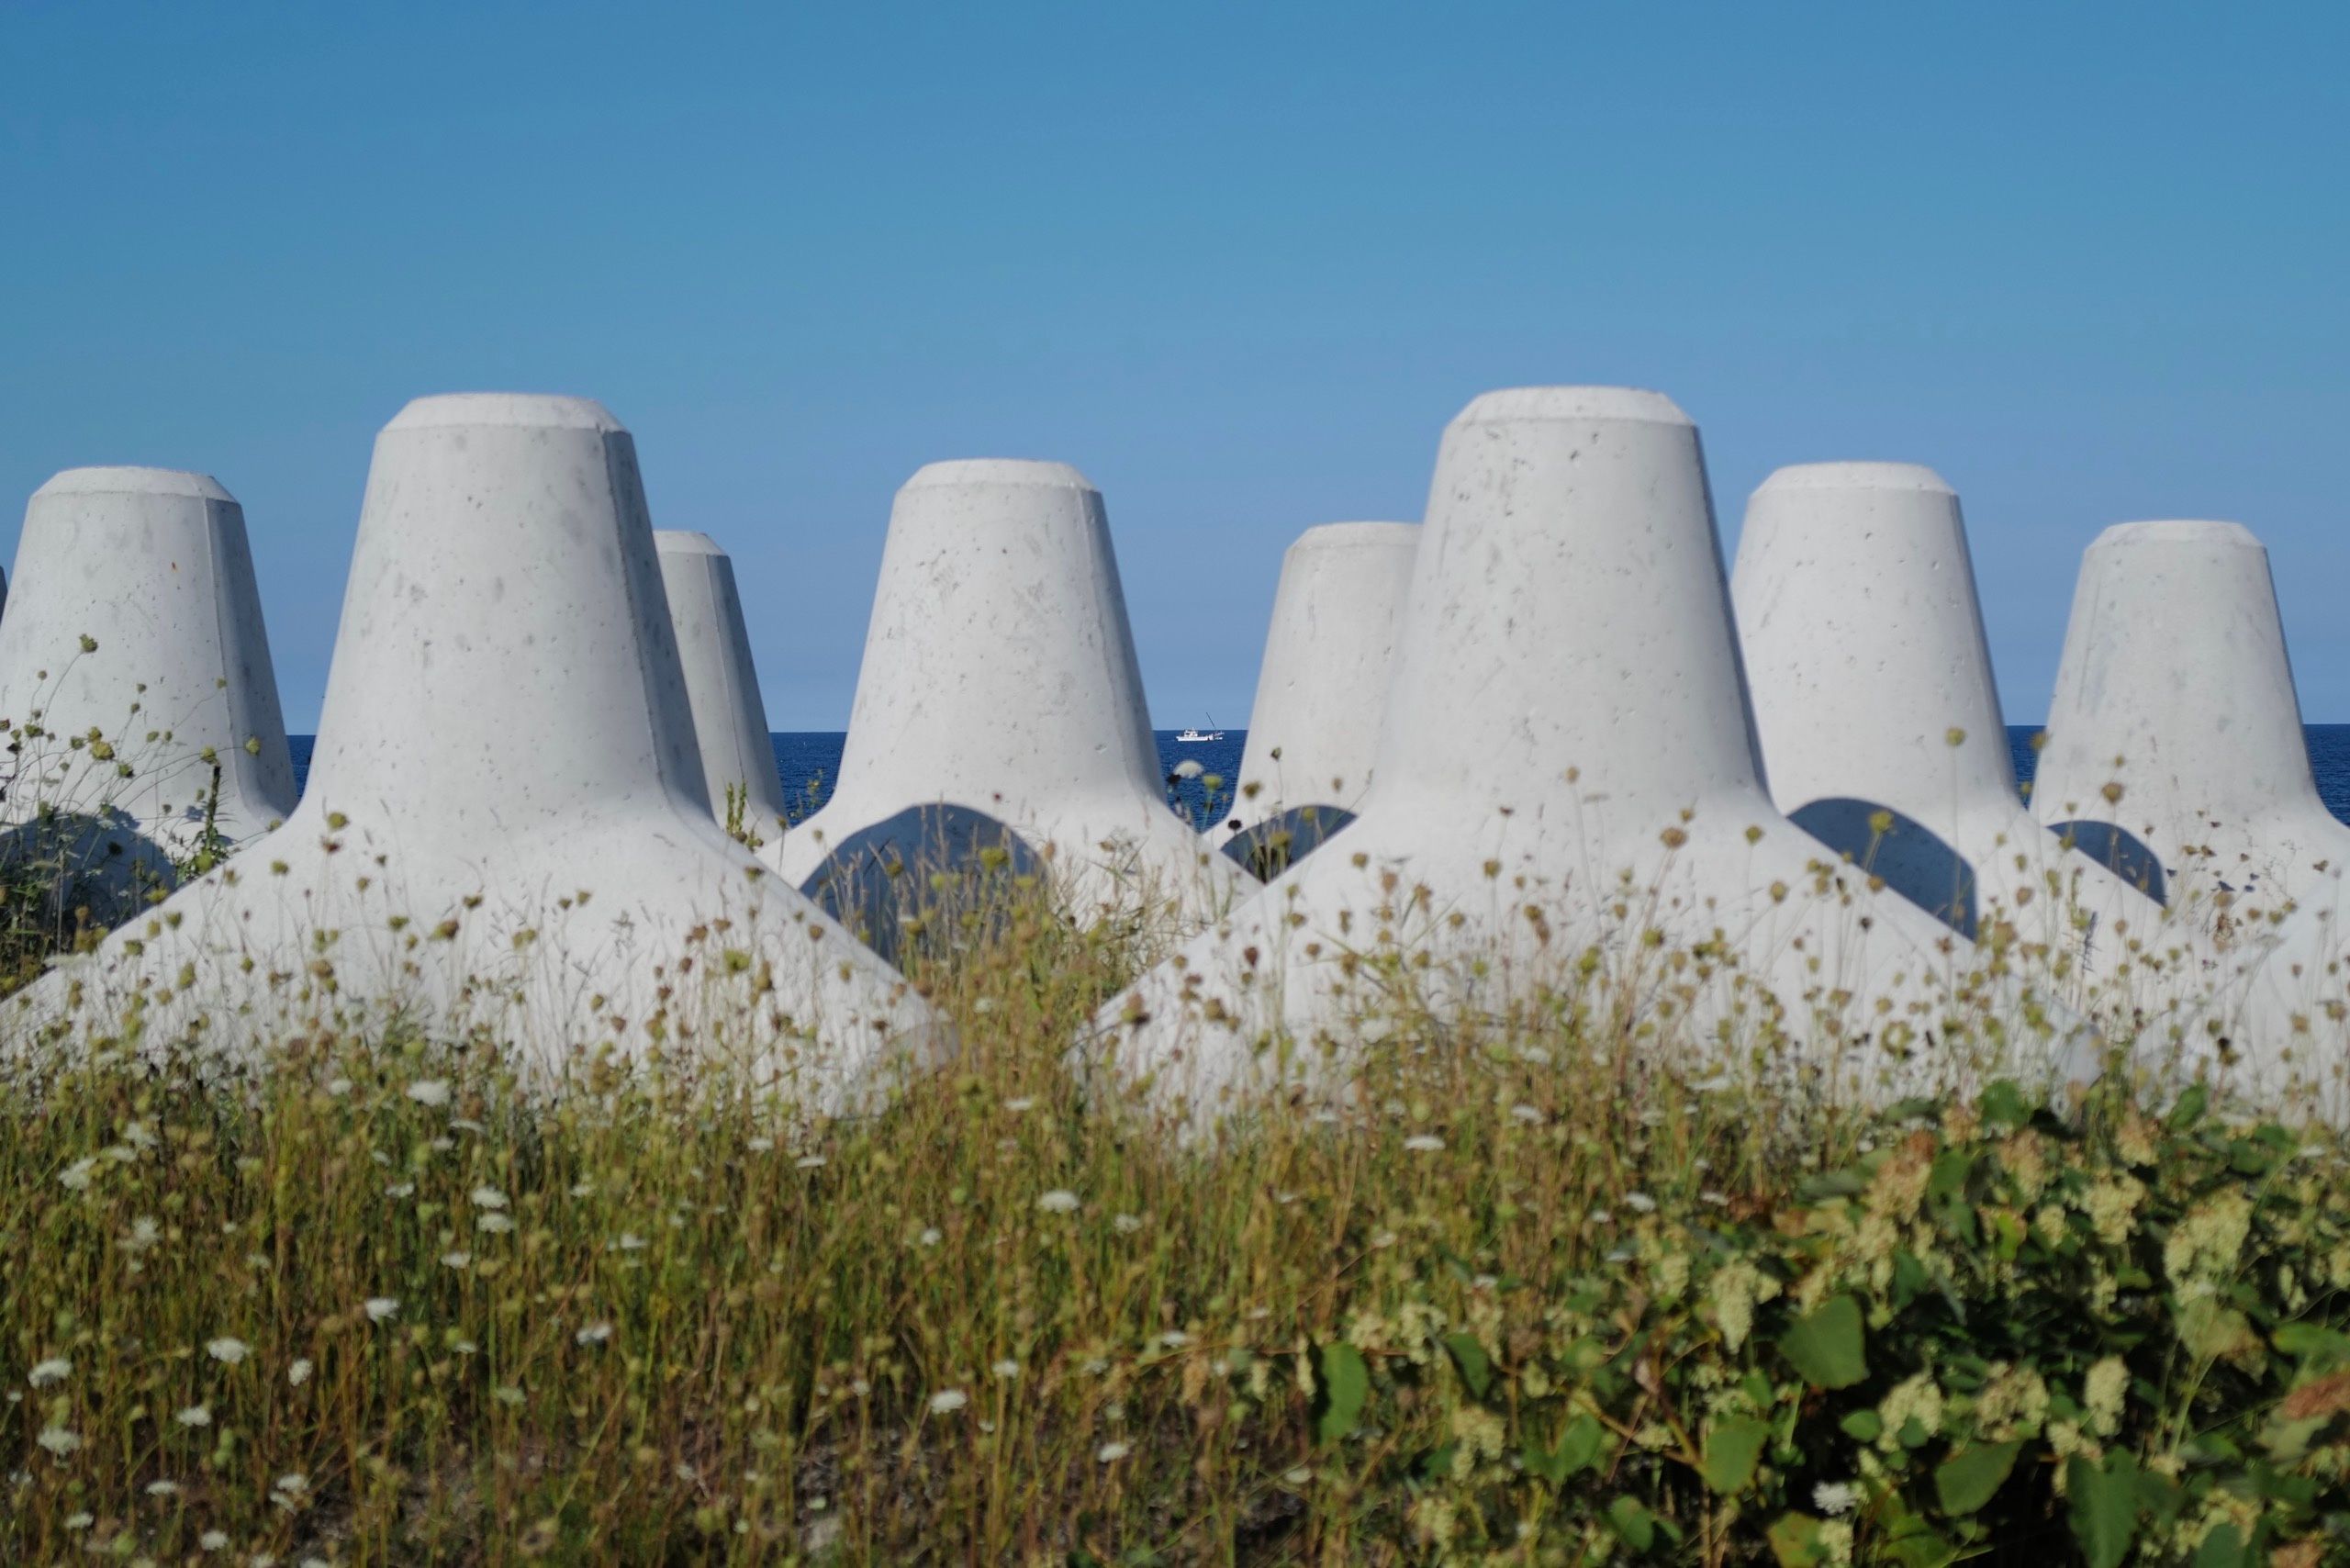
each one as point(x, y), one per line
point(810, 760)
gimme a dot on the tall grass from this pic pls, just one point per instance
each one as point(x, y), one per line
point(1540, 1300)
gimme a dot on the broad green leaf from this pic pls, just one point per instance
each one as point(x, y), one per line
point(1972, 1476)
point(2104, 1500)
point(2189, 1109)
point(1633, 1522)
point(2223, 1548)
point(1826, 1345)
point(1795, 1541)
point(1476, 1367)
point(1862, 1426)
point(1436, 1463)
point(1733, 1449)
point(1579, 1445)
point(1344, 1383)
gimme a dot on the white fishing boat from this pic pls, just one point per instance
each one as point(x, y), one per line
point(1193, 738)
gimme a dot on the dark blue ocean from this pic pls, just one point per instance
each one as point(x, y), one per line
point(809, 759)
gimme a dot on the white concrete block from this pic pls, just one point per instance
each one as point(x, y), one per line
point(2175, 717)
point(1566, 768)
point(505, 830)
point(999, 681)
point(132, 662)
point(1321, 690)
point(730, 721)
point(1873, 693)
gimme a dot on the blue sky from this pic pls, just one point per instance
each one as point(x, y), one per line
point(1238, 264)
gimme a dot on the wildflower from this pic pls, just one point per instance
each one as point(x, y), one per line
point(630, 1242)
point(1424, 1143)
point(57, 1368)
point(1126, 1224)
point(228, 1349)
point(2107, 1386)
point(931, 1237)
point(79, 1521)
point(76, 1178)
point(594, 1334)
point(2110, 1205)
point(292, 1481)
point(1174, 1338)
point(144, 1233)
point(494, 1222)
point(59, 1440)
point(430, 1091)
point(162, 1488)
point(488, 1197)
point(1006, 1368)
point(400, 1189)
point(583, 1189)
point(1059, 1201)
point(300, 1372)
point(1530, 1114)
point(1920, 1400)
point(1736, 1290)
point(2210, 1238)
point(457, 1259)
point(338, 1087)
point(1639, 1203)
point(1020, 1107)
point(195, 1415)
point(760, 1145)
point(949, 1400)
point(212, 1540)
point(383, 1308)
point(1111, 1453)
point(809, 1161)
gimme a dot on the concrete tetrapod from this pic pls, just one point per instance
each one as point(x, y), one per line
point(1000, 708)
point(1567, 815)
point(1320, 691)
point(2174, 719)
point(505, 838)
point(729, 722)
point(133, 663)
point(2175, 738)
point(1882, 734)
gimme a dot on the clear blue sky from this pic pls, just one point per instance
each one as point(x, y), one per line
point(1238, 264)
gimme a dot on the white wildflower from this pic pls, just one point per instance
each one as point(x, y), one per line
point(457, 1259)
point(1424, 1143)
point(228, 1349)
point(1059, 1201)
point(594, 1334)
point(1126, 1224)
point(195, 1415)
point(383, 1308)
point(494, 1222)
point(57, 1368)
point(1006, 1368)
point(80, 1521)
point(292, 1481)
point(212, 1540)
point(1111, 1453)
point(809, 1161)
point(931, 1237)
point(629, 1242)
point(488, 1197)
point(162, 1488)
point(59, 1440)
point(430, 1091)
point(1639, 1203)
point(1833, 1497)
point(400, 1189)
point(300, 1372)
point(338, 1087)
point(761, 1145)
point(1020, 1107)
point(75, 1177)
point(948, 1400)
point(1529, 1115)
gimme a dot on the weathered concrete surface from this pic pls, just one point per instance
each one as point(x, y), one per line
point(1000, 677)
point(133, 664)
point(730, 721)
point(1322, 689)
point(1872, 691)
point(1566, 803)
point(506, 835)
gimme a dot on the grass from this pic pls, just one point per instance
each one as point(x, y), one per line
point(1533, 1299)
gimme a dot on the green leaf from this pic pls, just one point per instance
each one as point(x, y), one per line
point(1436, 1463)
point(2223, 1548)
point(1633, 1522)
point(1972, 1476)
point(1579, 1445)
point(1795, 1541)
point(1344, 1384)
point(2104, 1507)
point(2189, 1109)
point(1733, 1449)
point(2003, 1106)
point(1862, 1426)
point(1826, 1345)
point(1476, 1367)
